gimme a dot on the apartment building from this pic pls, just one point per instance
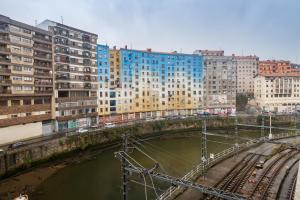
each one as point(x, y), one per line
point(75, 74)
point(269, 67)
point(220, 82)
point(138, 84)
point(26, 80)
point(247, 69)
point(278, 92)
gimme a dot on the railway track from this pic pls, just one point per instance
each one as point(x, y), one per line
point(292, 171)
point(266, 180)
point(292, 187)
point(237, 174)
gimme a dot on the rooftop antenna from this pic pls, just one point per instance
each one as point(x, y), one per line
point(62, 19)
point(130, 45)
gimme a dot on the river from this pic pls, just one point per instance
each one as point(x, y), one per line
point(99, 179)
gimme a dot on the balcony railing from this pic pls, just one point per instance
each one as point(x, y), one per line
point(44, 47)
point(43, 91)
point(4, 60)
point(6, 71)
point(43, 83)
point(47, 57)
point(4, 91)
point(4, 39)
point(43, 74)
point(41, 38)
point(7, 81)
point(42, 65)
point(4, 49)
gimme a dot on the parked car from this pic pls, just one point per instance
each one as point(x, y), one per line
point(82, 130)
point(260, 164)
point(15, 145)
point(109, 125)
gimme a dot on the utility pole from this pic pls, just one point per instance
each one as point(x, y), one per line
point(124, 165)
point(204, 147)
point(262, 128)
point(270, 133)
point(236, 131)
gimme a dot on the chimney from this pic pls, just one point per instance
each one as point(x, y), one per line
point(115, 47)
point(125, 46)
point(149, 50)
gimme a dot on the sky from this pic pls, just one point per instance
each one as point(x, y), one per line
point(269, 29)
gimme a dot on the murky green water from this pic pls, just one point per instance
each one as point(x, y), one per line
point(99, 179)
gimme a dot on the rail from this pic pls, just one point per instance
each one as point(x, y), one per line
point(198, 170)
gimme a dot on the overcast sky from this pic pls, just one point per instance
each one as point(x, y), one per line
point(267, 28)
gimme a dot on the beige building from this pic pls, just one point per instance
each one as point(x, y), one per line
point(26, 81)
point(247, 69)
point(278, 92)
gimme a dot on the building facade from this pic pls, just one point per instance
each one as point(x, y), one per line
point(26, 80)
point(137, 84)
point(269, 67)
point(75, 76)
point(220, 82)
point(278, 93)
point(247, 69)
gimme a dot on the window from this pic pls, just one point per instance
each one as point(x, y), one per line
point(28, 69)
point(27, 79)
point(15, 102)
point(3, 103)
point(17, 68)
point(18, 88)
point(27, 88)
point(28, 60)
point(27, 102)
point(17, 78)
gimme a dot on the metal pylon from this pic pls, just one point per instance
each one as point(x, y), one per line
point(124, 165)
point(262, 129)
point(236, 132)
point(204, 155)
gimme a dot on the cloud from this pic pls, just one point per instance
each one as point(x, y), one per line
point(269, 28)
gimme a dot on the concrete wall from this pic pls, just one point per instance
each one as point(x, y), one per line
point(20, 132)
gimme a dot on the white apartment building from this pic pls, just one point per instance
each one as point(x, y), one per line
point(278, 92)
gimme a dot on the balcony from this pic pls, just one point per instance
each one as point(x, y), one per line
point(43, 75)
point(42, 39)
point(42, 65)
point(5, 92)
point(46, 57)
point(4, 50)
point(63, 68)
point(4, 28)
point(46, 48)
point(43, 83)
point(5, 71)
point(4, 60)
point(74, 99)
point(4, 39)
point(5, 82)
point(44, 92)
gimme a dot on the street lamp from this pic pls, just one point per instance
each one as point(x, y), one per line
point(270, 133)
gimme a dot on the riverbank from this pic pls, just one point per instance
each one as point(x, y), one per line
point(42, 161)
point(27, 181)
